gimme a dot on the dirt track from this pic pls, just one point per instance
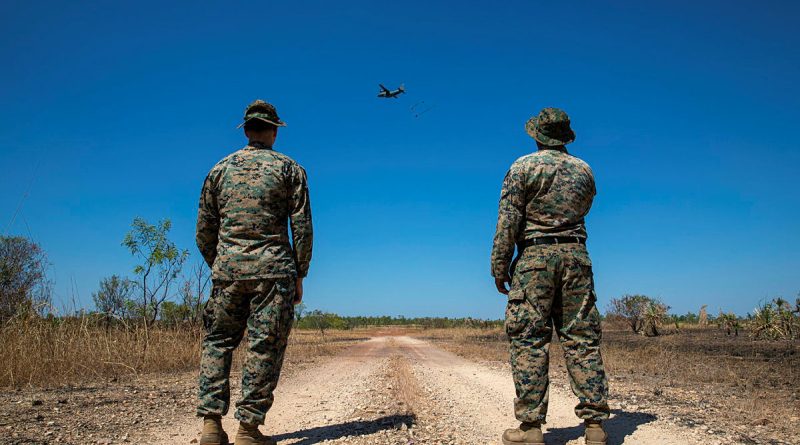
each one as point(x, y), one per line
point(352, 398)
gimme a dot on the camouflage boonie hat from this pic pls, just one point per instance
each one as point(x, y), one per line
point(550, 127)
point(263, 111)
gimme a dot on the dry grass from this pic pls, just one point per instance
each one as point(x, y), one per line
point(749, 383)
point(695, 356)
point(46, 353)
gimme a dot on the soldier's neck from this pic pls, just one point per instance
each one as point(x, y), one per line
point(260, 144)
point(560, 148)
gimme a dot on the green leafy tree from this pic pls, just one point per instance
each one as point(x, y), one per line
point(173, 314)
point(111, 299)
point(160, 264)
point(318, 320)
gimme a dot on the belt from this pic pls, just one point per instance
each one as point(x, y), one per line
point(552, 240)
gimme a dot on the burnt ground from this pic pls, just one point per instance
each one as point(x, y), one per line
point(737, 388)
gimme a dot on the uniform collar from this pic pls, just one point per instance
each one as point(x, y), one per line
point(560, 149)
point(253, 145)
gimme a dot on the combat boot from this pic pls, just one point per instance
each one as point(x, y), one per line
point(595, 435)
point(526, 434)
point(213, 434)
point(250, 435)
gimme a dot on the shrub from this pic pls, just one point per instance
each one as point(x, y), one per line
point(24, 286)
point(775, 320)
point(643, 314)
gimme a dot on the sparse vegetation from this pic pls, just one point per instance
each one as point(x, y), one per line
point(24, 286)
point(734, 381)
point(730, 322)
point(161, 264)
point(776, 320)
point(643, 314)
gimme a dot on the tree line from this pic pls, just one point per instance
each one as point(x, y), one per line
point(165, 290)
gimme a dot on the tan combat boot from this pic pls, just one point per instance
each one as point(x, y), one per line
point(250, 435)
point(212, 431)
point(595, 435)
point(526, 434)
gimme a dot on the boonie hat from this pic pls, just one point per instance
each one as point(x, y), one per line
point(550, 127)
point(263, 111)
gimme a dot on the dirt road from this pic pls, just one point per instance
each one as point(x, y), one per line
point(356, 398)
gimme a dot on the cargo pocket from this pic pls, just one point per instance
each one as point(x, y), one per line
point(280, 314)
point(517, 314)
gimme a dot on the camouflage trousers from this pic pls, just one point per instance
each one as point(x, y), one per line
point(264, 309)
point(553, 286)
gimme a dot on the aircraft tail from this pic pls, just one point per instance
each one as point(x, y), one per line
point(402, 87)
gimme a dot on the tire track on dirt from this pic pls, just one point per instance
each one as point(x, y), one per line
point(336, 401)
point(365, 395)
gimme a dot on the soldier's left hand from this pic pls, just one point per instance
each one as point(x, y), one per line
point(298, 294)
point(500, 283)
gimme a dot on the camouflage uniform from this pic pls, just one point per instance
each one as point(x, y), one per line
point(548, 194)
point(247, 202)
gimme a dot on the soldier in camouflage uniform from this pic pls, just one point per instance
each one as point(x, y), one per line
point(544, 200)
point(248, 201)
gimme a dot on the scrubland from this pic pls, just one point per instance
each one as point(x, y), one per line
point(697, 378)
point(41, 352)
point(700, 377)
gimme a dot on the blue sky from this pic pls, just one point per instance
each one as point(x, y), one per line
point(687, 112)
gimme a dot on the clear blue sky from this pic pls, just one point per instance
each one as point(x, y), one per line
point(687, 112)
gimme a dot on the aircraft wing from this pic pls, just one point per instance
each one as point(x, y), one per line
point(383, 88)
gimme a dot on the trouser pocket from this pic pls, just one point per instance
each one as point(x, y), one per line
point(517, 313)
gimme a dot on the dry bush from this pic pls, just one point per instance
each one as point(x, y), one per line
point(38, 351)
point(49, 352)
point(696, 356)
point(752, 380)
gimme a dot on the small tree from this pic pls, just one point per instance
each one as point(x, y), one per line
point(643, 314)
point(729, 322)
point(764, 322)
point(318, 320)
point(299, 311)
point(194, 290)
point(112, 298)
point(161, 263)
point(629, 308)
point(655, 314)
point(173, 314)
point(24, 286)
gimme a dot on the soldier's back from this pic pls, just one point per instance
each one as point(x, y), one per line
point(559, 190)
point(253, 187)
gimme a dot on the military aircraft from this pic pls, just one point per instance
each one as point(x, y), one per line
point(387, 93)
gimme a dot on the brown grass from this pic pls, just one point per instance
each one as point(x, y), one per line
point(46, 353)
point(694, 356)
point(750, 382)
